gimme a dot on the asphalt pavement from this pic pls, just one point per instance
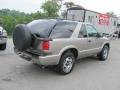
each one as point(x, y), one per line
point(88, 74)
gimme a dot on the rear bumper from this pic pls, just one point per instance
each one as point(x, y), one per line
point(49, 60)
point(41, 60)
point(3, 39)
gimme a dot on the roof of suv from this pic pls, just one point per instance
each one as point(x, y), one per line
point(55, 20)
point(58, 20)
point(43, 26)
point(73, 21)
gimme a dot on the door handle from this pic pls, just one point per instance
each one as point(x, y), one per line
point(89, 41)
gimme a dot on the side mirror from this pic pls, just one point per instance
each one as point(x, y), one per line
point(85, 35)
point(100, 35)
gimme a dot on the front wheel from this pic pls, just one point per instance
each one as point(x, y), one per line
point(3, 46)
point(66, 63)
point(103, 55)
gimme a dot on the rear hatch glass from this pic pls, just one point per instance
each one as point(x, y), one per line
point(41, 27)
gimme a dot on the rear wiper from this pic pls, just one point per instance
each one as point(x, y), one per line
point(70, 30)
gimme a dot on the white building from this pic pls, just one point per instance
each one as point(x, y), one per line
point(103, 22)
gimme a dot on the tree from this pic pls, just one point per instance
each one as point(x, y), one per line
point(69, 4)
point(1, 22)
point(51, 8)
point(36, 15)
point(10, 18)
point(111, 13)
point(64, 14)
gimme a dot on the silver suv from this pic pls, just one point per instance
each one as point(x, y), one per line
point(59, 43)
point(3, 38)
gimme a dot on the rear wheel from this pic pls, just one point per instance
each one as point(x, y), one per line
point(66, 63)
point(3, 46)
point(104, 53)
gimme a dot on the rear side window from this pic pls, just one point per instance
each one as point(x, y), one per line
point(63, 30)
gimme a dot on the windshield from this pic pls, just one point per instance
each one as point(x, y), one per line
point(63, 30)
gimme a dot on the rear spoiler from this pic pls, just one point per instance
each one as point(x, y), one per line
point(42, 39)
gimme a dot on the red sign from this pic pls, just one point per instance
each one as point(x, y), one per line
point(104, 19)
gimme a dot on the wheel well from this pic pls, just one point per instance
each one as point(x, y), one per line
point(107, 44)
point(73, 50)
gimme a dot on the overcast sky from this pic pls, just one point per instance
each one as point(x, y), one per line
point(28, 6)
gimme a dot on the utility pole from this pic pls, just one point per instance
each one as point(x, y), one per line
point(61, 1)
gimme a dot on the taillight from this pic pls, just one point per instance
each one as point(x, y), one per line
point(45, 45)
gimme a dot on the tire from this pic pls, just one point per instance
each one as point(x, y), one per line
point(3, 46)
point(103, 55)
point(66, 63)
point(22, 37)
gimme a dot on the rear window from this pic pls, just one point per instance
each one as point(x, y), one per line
point(41, 27)
point(63, 30)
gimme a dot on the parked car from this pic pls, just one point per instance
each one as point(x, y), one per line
point(3, 38)
point(59, 43)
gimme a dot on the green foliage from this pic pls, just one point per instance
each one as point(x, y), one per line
point(10, 18)
point(8, 23)
point(69, 4)
point(51, 8)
